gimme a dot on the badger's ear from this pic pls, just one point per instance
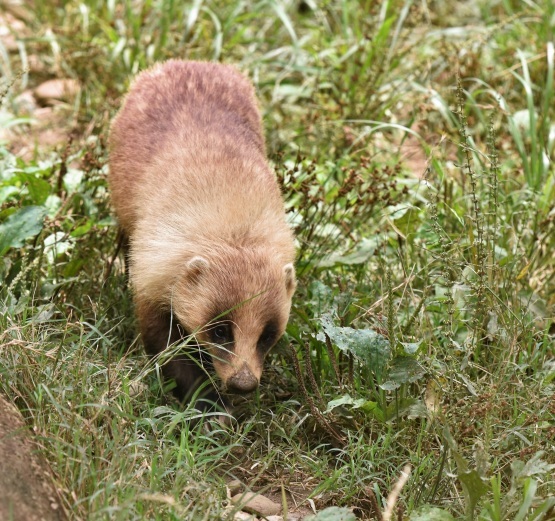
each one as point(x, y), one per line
point(196, 267)
point(290, 280)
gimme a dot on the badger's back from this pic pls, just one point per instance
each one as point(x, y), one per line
point(180, 124)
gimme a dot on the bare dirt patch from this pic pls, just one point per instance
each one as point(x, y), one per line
point(27, 492)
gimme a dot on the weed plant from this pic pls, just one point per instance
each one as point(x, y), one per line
point(423, 327)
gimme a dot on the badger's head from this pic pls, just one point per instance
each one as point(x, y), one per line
point(237, 301)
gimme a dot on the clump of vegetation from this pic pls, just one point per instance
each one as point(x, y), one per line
point(414, 146)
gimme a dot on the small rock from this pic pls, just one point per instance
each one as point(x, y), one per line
point(136, 388)
point(8, 40)
point(25, 102)
point(35, 63)
point(244, 516)
point(256, 504)
point(234, 487)
point(53, 90)
point(9, 28)
point(280, 518)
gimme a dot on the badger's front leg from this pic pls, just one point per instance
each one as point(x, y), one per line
point(159, 331)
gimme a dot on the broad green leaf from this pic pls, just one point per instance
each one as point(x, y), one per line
point(409, 222)
point(106, 221)
point(417, 410)
point(73, 179)
point(321, 296)
point(73, 267)
point(38, 188)
point(402, 370)
point(54, 246)
point(533, 467)
point(52, 204)
point(333, 514)
point(370, 348)
point(367, 406)
point(26, 222)
point(7, 191)
point(82, 229)
point(362, 253)
point(411, 348)
point(346, 399)
point(373, 409)
point(473, 485)
point(404, 407)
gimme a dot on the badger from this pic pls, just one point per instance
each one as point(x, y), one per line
point(211, 256)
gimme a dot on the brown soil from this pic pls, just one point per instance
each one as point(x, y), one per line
point(27, 491)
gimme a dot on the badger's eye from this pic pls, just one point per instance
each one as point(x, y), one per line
point(268, 337)
point(220, 331)
point(221, 334)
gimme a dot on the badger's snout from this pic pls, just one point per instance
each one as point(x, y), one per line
point(242, 382)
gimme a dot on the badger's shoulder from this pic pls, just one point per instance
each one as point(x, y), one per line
point(175, 95)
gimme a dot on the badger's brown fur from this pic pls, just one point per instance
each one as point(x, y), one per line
point(210, 252)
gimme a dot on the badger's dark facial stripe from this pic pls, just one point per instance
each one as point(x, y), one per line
point(221, 333)
point(268, 337)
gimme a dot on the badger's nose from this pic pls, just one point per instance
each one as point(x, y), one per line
point(243, 381)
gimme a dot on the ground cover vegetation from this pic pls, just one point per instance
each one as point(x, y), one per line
point(414, 144)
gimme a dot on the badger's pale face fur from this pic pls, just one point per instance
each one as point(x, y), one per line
point(238, 302)
point(209, 247)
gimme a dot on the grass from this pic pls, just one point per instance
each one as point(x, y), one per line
point(423, 326)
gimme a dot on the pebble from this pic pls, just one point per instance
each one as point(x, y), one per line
point(11, 29)
point(56, 90)
point(137, 388)
point(234, 487)
point(26, 102)
point(256, 504)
